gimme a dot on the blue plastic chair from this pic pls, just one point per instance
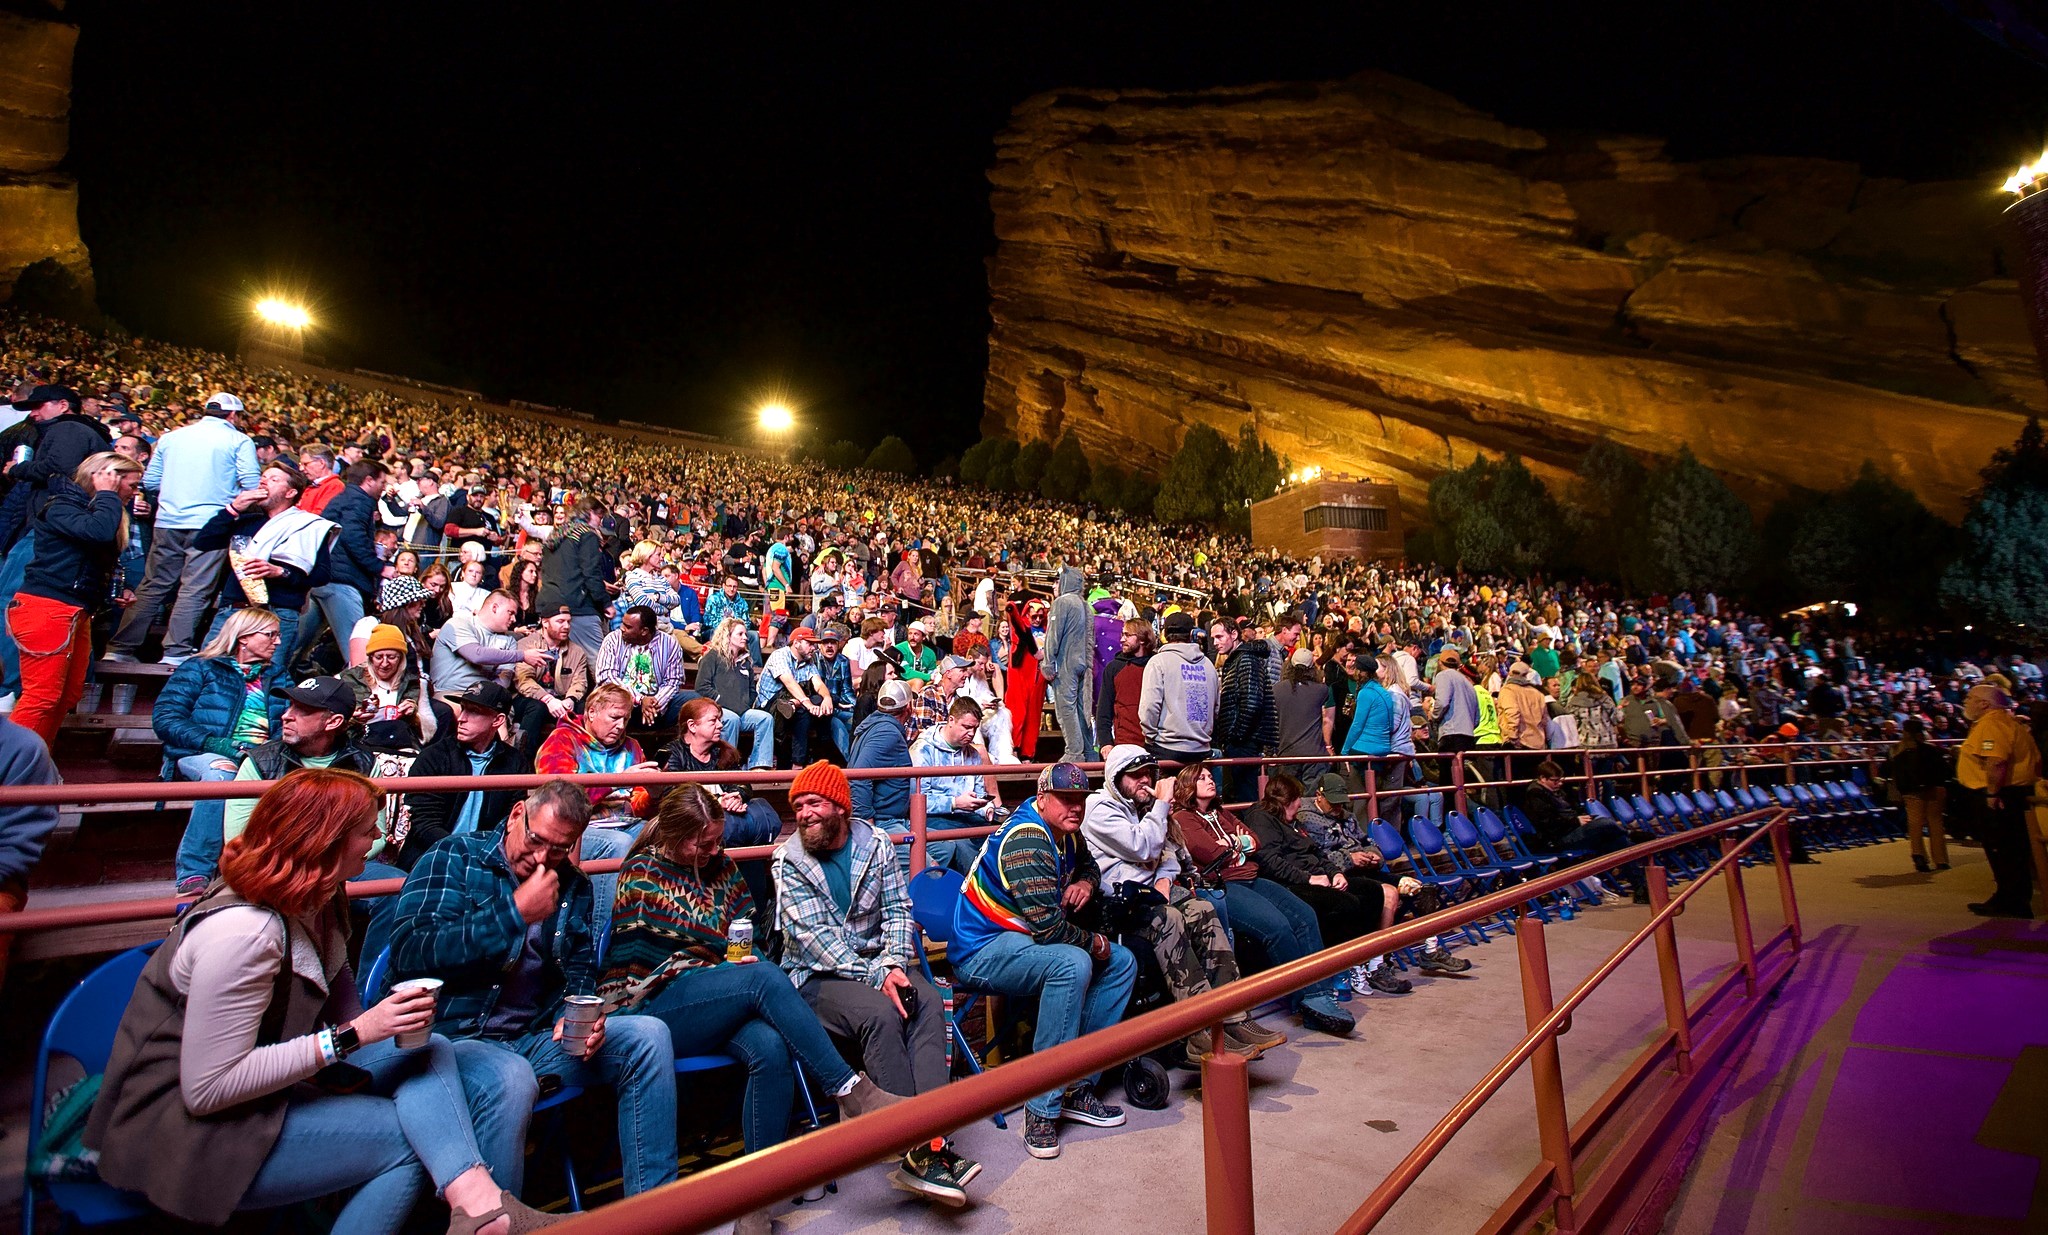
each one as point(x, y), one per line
point(1502, 840)
point(1617, 810)
point(83, 1028)
point(1525, 836)
point(934, 891)
point(1429, 846)
point(1453, 887)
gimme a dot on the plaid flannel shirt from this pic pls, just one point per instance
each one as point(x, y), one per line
point(456, 920)
point(928, 706)
point(874, 936)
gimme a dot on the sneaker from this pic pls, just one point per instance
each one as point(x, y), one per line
point(964, 1169)
point(1041, 1135)
point(1197, 1048)
point(1360, 978)
point(119, 658)
point(1082, 1106)
point(1440, 960)
point(1320, 1012)
point(1608, 896)
point(1387, 982)
point(193, 885)
point(1941, 866)
point(924, 1172)
point(1920, 864)
point(173, 662)
point(1992, 909)
point(1251, 1033)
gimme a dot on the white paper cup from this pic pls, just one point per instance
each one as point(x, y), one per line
point(417, 1039)
point(124, 698)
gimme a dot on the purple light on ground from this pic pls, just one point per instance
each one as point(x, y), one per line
point(1950, 1004)
point(1930, 1159)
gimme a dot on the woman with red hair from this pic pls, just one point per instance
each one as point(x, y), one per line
point(206, 1108)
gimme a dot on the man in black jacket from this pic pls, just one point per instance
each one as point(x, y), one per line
point(355, 570)
point(64, 438)
point(477, 747)
point(572, 573)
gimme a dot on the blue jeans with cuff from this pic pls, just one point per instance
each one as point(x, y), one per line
point(1075, 995)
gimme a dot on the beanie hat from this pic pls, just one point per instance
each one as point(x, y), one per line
point(826, 781)
point(386, 638)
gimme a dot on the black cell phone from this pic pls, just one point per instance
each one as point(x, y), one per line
point(342, 1078)
point(548, 1085)
point(908, 995)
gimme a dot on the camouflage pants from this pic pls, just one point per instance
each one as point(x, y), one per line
point(1191, 944)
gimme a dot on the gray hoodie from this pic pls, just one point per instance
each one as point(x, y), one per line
point(1177, 703)
point(1129, 845)
point(1069, 627)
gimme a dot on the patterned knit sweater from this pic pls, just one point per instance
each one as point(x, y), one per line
point(668, 918)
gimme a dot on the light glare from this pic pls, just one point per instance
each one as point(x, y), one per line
point(776, 417)
point(283, 313)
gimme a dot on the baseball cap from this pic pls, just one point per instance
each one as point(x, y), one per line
point(1333, 789)
point(1178, 623)
point(956, 661)
point(802, 634)
point(1063, 778)
point(1302, 656)
point(920, 627)
point(391, 737)
point(47, 394)
point(327, 694)
point(893, 697)
point(225, 402)
point(486, 695)
point(833, 633)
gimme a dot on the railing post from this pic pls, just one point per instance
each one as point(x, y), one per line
point(1781, 852)
point(1692, 759)
point(1643, 774)
point(1738, 908)
point(1458, 783)
point(1553, 1122)
point(1790, 776)
point(1372, 789)
point(917, 825)
point(1227, 1143)
point(1586, 767)
point(1667, 968)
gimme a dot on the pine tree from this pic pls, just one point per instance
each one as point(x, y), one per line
point(1029, 467)
point(892, 454)
point(1603, 510)
point(1998, 576)
point(1189, 492)
point(1696, 534)
point(1066, 475)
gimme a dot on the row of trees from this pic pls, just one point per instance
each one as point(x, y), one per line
point(891, 454)
point(1208, 480)
point(1676, 525)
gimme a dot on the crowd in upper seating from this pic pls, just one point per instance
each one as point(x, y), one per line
point(354, 584)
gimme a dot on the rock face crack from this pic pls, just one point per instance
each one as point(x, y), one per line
point(1386, 282)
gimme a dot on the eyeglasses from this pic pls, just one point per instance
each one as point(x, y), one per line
point(547, 847)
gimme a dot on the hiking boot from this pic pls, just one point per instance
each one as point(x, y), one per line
point(1387, 982)
point(1082, 1106)
point(1198, 1049)
point(1041, 1135)
point(1320, 1012)
point(925, 1173)
point(1251, 1033)
point(1642, 894)
point(1440, 960)
point(866, 1097)
point(964, 1168)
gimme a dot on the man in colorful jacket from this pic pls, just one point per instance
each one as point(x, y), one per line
point(848, 942)
point(1012, 935)
point(597, 742)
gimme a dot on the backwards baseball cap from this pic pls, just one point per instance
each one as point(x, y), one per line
point(225, 404)
point(323, 694)
point(1178, 623)
point(893, 697)
point(1333, 789)
point(1063, 778)
point(485, 695)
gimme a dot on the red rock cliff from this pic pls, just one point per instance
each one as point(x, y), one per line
point(38, 205)
point(1386, 282)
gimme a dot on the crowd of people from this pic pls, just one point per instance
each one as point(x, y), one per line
point(351, 584)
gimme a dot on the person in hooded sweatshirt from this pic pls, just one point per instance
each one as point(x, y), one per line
point(1068, 663)
point(1125, 825)
point(1121, 685)
point(1177, 697)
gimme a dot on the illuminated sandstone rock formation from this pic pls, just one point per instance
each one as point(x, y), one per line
point(1386, 283)
point(38, 205)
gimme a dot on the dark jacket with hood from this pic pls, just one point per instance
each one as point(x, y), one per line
point(353, 550)
point(433, 815)
point(572, 571)
point(60, 446)
point(879, 742)
point(78, 544)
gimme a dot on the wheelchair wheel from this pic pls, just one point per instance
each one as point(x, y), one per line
point(1146, 1084)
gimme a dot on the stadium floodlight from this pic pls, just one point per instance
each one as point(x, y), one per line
point(776, 417)
point(283, 313)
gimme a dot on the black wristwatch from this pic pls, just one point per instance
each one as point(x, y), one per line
point(345, 1039)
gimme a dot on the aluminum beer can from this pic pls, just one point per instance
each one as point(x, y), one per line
point(579, 1014)
point(739, 941)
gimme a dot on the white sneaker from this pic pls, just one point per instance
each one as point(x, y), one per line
point(121, 658)
point(1608, 896)
point(175, 661)
point(6, 703)
point(1360, 978)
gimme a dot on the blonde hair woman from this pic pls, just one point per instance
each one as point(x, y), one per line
point(212, 710)
point(80, 529)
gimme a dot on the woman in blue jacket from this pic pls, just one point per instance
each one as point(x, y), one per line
point(211, 711)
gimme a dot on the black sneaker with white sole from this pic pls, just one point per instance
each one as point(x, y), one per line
point(1082, 1106)
point(1041, 1135)
point(925, 1172)
point(964, 1168)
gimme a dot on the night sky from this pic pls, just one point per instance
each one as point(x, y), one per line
point(664, 214)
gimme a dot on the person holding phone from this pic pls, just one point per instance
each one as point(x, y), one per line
point(964, 800)
point(843, 910)
point(204, 1107)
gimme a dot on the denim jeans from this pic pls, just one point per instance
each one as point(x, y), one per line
point(412, 1126)
point(1075, 995)
point(586, 631)
point(12, 571)
point(761, 726)
point(340, 605)
point(752, 1013)
point(636, 1061)
point(1074, 710)
point(1277, 920)
point(605, 843)
point(377, 936)
point(199, 851)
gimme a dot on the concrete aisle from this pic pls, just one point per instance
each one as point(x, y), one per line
point(1900, 1087)
point(1329, 1117)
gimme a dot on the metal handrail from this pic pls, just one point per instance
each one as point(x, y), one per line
point(725, 1192)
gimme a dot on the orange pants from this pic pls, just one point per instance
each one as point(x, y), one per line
point(56, 649)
